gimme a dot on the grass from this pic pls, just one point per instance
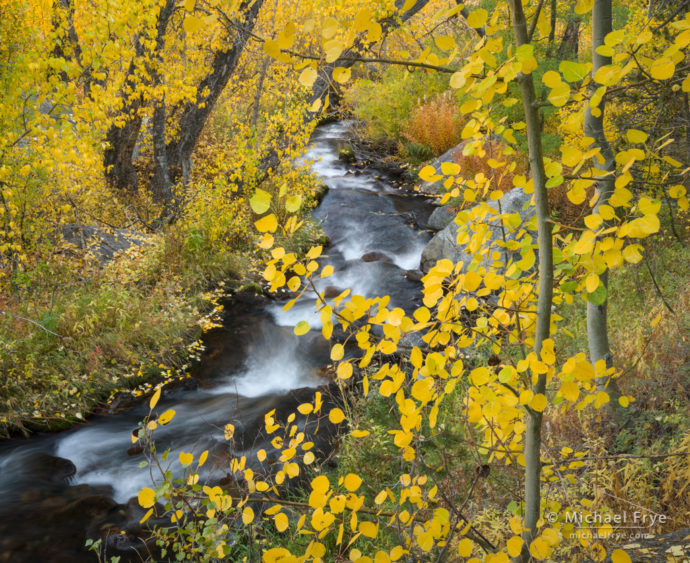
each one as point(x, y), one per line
point(108, 329)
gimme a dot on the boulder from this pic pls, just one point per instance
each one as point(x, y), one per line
point(444, 243)
point(441, 217)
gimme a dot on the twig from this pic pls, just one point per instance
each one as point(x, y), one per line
point(39, 325)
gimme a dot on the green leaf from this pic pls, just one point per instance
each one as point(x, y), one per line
point(572, 71)
point(598, 296)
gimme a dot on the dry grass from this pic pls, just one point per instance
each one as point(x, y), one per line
point(435, 124)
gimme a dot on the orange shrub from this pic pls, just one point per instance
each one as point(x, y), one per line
point(435, 124)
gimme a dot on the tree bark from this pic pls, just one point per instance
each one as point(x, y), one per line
point(571, 40)
point(552, 31)
point(121, 138)
point(193, 116)
point(545, 295)
point(597, 331)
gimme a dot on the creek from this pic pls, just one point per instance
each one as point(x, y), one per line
point(58, 489)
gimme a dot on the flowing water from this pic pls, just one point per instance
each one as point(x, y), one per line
point(57, 489)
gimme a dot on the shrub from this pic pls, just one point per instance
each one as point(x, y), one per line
point(435, 124)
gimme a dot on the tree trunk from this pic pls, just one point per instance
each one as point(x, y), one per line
point(571, 40)
point(545, 296)
point(121, 138)
point(597, 331)
point(194, 115)
point(552, 31)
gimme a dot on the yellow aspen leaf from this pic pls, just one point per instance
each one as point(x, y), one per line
point(166, 417)
point(192, 24)
point(189, 5)
point(591, 283)
point(286, 37)
point(341, 75)
point(445, 42)
point(228, 431)
point(662, 69)
point(261, 455)
point(374, 32)
point(559, 95)
point(540, 548)
point(551, 78)
point(477, 18)
point(465, 547)
point(425, 540)
point(583, 6)
point(154, 398)
point(428, 174)
point(146, 516)
point(380, 498)
point(337, 352)
point(352, 482)
point(146, 497)
point(276, 554)
point(293, 283)
point(307, 77)
point(514, 546)
point(472, 281)
point(305, 408)
point(457, 80)
point(623, 401)
point(301, 328)
point(344, 371)
point(586, 243)
point(360, 433)
point(293, 203)
point(530, 65)
point(677, 191)
point(422, 390)
point(450, 168)
point(327, 271)
point(570, 391)
point(631, 253)
point(336, 416)
point(333, 50)
point(309, 458)
point(594, 221)
point(526, 396)
point(636, 136)
point(422, 315)
point(193, 479)
point(362, 20)
point(247, 515)
point(620, 556)
point(203, 457)
point(281, 521)
point(608, 75)
point(314, 252)
point(601, 399)
point(538, 402)
point(186, 458)
point(269, 223)
point(266, 241)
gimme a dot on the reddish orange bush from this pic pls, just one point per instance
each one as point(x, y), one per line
point(435, 124)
